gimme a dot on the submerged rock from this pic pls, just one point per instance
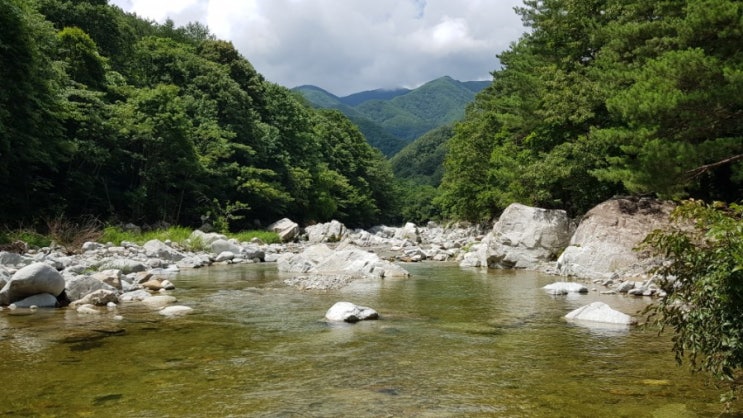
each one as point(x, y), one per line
point(563, 288)
point(175, 310)
point(600, 312)
point(349, 312)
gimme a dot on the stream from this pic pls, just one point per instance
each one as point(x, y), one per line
point(450, 342)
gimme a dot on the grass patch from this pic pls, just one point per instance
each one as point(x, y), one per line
point(117, 235)
point(30, 237)
point(267, 237)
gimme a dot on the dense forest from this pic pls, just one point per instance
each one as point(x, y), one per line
point(108, 115)
point(605, 97)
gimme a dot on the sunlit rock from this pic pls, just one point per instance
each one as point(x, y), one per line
point(100, 297)
point(563, 288)
point(600, 312)
point(286, 228)
point(31, 280)
point(332, 231)
point(349, 312)
point(604, 244)
point(158, 249)
point(527, 237)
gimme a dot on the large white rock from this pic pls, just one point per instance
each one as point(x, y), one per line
point(604, 243)
point(31, 280)
point(205, 238)
point(286, 228)
point(600, 312)
point(340, 266)
point(526, 237)
point(408, 232)
point(12, 259)
point(332, 231)
point(349, 312)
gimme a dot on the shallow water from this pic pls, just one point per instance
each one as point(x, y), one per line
point(450, 342)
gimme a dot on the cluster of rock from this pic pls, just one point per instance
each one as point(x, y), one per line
point(320, 267)
point(601, 247)
point(102, 276)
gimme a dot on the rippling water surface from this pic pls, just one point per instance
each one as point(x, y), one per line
point(450, 342)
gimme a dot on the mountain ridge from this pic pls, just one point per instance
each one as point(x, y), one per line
point(393, 118)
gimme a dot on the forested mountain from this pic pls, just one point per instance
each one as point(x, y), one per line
point(401, 114)
point(378, 94)
point(605, 97)
point(108, 115)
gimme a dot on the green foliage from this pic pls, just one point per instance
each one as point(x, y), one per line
point(266, 237)
point(423, 160)
point(604, 97)
point(108, 115)
point(116, 235)
point(29, 236)
point(704, 306)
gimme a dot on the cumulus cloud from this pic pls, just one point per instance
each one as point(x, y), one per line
point(346, 46)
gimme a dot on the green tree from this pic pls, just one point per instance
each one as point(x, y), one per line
point(163, 168)
point(31, 141)
point(704, 306)
point(84, 64)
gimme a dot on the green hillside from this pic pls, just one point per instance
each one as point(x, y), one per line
point(422, 161)
point(109, 117)
point(401, 115)
point(376, 135)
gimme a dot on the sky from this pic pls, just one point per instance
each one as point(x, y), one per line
point(348, 46)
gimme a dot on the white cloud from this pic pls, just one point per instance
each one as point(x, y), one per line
point(346, 46)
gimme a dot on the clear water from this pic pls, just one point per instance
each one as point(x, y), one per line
point(450, 342)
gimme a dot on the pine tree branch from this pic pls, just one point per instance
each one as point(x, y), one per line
point(696, 172)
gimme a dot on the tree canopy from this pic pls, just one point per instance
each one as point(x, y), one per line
point(103, 113)
point(605, 97)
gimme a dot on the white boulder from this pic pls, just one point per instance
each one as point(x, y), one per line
point(563, 288)
point(158, 249)
point(332, 231)
point(604, 244)
point(600, 312)
point(286, 228)
point(31, 280)
point(527, 237)
point(349, 312)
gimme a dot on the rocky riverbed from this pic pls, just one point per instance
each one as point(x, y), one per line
point(597, 249)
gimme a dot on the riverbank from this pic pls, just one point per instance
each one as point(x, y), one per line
point(599, 249)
